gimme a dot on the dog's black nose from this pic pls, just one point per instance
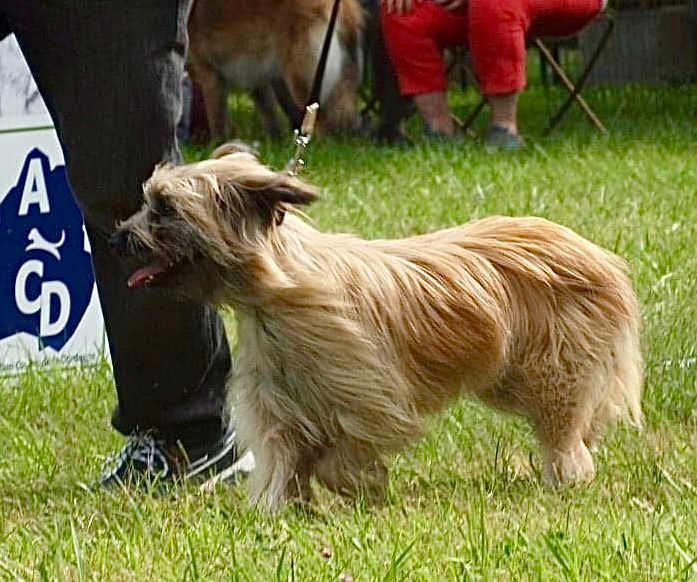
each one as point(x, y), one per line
point(118, 243)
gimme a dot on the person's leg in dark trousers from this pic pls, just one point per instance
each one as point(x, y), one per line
point(393, 109)
point(110, 73)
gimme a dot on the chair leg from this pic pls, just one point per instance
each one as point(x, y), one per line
point(544, 67)
point(469, 120)
point(469, 79)
point(574, 91)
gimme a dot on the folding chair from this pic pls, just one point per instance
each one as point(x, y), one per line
point(574, 88)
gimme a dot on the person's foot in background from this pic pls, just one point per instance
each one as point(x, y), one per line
point(503, 126)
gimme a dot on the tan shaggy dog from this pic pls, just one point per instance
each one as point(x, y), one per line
point(250, 44)
point(346, 345)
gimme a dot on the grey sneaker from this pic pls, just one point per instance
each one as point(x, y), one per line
point(435, 136)
point(499, 138)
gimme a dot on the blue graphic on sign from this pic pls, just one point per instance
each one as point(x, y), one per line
point(46, 276)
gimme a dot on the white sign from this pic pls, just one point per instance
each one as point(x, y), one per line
point(49, 309)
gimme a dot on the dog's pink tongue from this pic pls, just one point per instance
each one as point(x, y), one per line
point(143, 275)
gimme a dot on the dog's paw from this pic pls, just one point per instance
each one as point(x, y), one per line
point(574, 465)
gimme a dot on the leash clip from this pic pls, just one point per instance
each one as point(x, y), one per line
point(301, 139)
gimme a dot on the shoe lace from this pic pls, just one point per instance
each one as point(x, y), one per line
point(141, 447)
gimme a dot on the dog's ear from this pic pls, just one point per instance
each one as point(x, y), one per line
point(233, 147)
point(292, 191)
point(289, 191)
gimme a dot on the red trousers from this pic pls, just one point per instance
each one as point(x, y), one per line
point(495, 31)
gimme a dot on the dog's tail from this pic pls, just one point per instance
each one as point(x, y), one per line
point(623, 400)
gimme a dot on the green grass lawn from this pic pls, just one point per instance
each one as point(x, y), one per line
point(465, 502)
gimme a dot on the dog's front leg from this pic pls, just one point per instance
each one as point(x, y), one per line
point(282, 473)
point(298, 490)
point(353, 470)
point(271, 477)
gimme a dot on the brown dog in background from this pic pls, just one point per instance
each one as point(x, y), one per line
point(253, 45)
point(346, 345)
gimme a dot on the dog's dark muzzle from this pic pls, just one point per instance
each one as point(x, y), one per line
point(119, 243)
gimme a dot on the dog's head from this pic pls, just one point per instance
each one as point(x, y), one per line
point(199, 221)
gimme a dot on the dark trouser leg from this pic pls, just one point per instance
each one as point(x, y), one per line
point(392, 107)
point(110, 73)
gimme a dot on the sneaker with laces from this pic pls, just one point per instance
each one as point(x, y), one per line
point(145, 459)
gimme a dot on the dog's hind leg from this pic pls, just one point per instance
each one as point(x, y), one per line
point(567, 461)
point(561, 421)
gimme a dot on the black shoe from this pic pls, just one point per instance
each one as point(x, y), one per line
point(145, 459)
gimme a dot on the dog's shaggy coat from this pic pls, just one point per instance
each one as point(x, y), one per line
point(345, 345)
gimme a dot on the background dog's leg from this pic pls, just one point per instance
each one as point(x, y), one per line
point(292, 110)
point(215, 92)
point(341, 113)
point(298, 66)
point(264, 100)
point(298, 85)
